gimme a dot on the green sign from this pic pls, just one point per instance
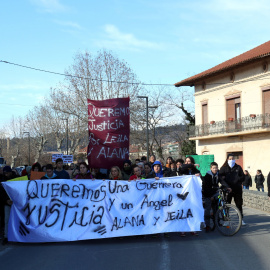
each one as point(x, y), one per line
point(204, 161)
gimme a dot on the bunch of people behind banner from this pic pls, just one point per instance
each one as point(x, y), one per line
point(230, 176)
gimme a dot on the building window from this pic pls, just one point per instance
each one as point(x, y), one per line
point(233, 107)
point(265, 67)
point(204, 113)
point(266, 107)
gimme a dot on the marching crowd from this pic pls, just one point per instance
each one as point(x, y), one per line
point(230, 176)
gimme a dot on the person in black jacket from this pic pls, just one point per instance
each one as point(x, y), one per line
point(210, 185)
point(248, 181)
point(232, 177)
point(8, 175)
point(189, 168)
point(178, 169)
point(259, 180)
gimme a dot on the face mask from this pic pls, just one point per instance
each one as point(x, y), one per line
point(231, 163)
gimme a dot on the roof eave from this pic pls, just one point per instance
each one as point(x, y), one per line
point(192, 82)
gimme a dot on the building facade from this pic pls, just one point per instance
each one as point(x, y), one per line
point(232, 109)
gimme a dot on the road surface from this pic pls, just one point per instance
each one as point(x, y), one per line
point(248, 249)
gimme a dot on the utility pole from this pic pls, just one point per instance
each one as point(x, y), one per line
point(27, 132)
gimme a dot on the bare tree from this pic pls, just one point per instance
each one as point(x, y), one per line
point(98, 77)
point(39, 126)
point(17, 147)
point(157, 117)
point(183, 99)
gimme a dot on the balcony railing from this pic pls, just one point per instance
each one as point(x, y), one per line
point(259, 121)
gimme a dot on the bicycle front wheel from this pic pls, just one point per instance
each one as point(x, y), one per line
point(228, 220)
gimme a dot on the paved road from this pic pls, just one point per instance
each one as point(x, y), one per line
point(249, 249)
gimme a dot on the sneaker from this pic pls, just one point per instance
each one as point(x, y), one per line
point(4, 241)
point(243, 223)
point(182, 234)
point(194, 233)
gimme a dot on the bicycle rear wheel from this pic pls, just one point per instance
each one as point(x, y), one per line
point(228, 220)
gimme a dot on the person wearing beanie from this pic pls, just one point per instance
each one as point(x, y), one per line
point(127, 170)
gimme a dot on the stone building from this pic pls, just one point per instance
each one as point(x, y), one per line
point(232, 109)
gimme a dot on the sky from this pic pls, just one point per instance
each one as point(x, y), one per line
point(162, 41)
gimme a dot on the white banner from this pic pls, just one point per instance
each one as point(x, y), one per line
point(66, 158)
point(65, 210)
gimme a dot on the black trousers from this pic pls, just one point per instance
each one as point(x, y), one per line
point(238, 199)
point(2, 215)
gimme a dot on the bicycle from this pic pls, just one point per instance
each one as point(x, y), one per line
point(225, 217)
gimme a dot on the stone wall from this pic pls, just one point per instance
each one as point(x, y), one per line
point(256, 199)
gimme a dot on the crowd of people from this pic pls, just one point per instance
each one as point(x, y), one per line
point(230, 176)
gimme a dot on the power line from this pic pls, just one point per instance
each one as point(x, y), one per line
point(261, 77)
point(87, 78)
point(17, 104)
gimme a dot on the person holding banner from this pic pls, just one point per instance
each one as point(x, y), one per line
point(84, 172)
point(157, 171)
point(137, 174)
point(8, 175)
point(49, 173)
point(115, 174)
point(189, 168)
point(59, 171)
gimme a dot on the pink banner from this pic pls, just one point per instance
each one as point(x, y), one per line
point(108, 125)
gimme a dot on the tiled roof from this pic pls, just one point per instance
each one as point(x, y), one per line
point(252, 55)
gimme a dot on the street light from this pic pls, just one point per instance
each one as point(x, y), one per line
point(147, 127)
point(66, 119)
point(27, 132)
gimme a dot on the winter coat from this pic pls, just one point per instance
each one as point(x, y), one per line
point(62, 174)
point(232, 177)
point(210, 184)
point(259, 179)
point(46, 177)
point(248, 181)
point(176, 172)
point(126, 174)
point(84, 176)
point(189, 169)
point(3, 194)
point(163, 172)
